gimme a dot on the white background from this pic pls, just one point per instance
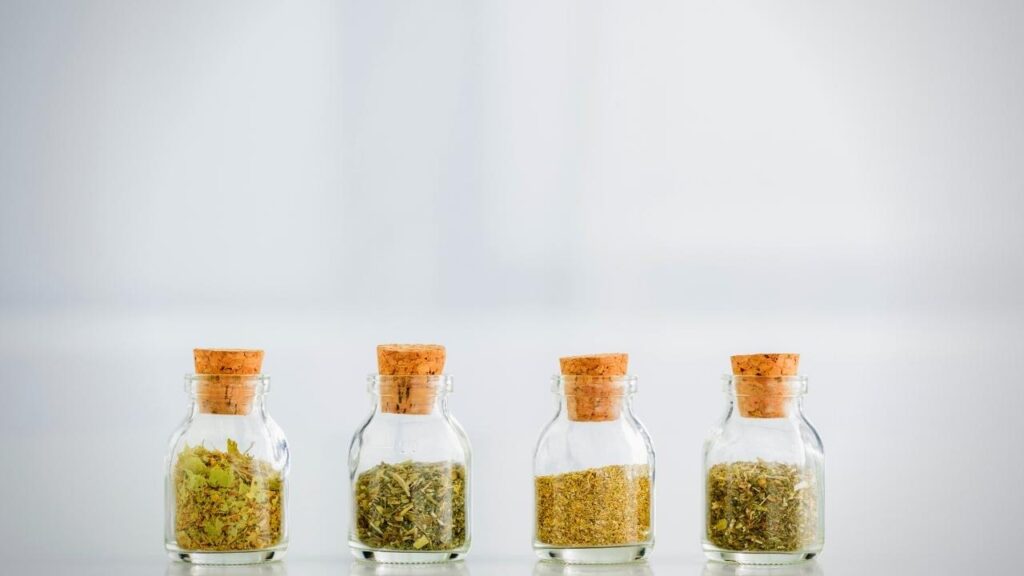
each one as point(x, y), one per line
point(518, 181)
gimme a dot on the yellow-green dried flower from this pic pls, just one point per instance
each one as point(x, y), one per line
point(226, 501)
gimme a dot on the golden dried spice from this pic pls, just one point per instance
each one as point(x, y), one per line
point(226, 501)
point(761, 507)
point(605, 506)
point(416, 506)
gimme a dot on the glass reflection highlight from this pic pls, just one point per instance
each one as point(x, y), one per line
point(548, 568)
point(811, 568)
point(186, 569)
point(359, 568)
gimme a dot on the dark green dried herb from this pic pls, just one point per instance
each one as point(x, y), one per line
point(226, 501)
point(604, 506)
point(412, 506)
point(761, 506)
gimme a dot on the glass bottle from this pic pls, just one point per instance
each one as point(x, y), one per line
point(409, 464)
point(227, 468)
point(594, 468)
point(764, 468)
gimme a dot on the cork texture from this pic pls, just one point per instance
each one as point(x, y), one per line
point(406, 386)
point(594, 365)
point(593, 391)
point(227, 387)
point(227, 361)
point(410, 359)
point(763, 390)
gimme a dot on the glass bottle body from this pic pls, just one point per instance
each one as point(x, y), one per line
point(226, 476)
point(764, 476)
point(410, 471)
point(594, 476)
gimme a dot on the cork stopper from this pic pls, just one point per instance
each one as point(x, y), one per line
point(594, 392)
point(763, 390)
point(406, 386)
point(226, 386)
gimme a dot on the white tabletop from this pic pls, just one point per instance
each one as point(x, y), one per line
point(521, 565)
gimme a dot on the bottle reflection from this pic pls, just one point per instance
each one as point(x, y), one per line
point(358, 568)
point(811, 568)
point(186, 569)
point(546, 568)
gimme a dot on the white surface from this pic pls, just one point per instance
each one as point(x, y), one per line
point(517, 180)
point(513, 567)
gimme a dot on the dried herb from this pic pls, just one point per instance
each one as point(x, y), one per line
point(595, 507)
point(412, 506)
point(761, 506)
point(226, 501)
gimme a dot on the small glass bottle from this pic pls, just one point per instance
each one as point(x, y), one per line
point(409, 463)
point(594, 468)
point(227, 468)
point(764, 468)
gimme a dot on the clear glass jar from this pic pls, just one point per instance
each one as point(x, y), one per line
point(409, 466)
point(594, 475)
point(764, 475)
point(227, 470)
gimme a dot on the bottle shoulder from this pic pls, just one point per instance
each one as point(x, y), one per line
point(254, 434)
point(394, 438)
point(565, 445)
point(790, 439)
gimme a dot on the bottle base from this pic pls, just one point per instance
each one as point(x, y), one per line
point(758, 558)
point(407, 556)
point(226, 558)
point(595, 555)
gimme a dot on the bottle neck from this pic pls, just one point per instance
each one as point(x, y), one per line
point(411, 395)
point(227, 394)
point(766, 397)
point(595, 398)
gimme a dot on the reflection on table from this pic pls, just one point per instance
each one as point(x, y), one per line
point(811, 568)
point(545, 568)
point(186, 569)
point(359, 568)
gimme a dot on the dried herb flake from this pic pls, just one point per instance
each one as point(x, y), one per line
point(605, 506)
point(761, 506)
point(411, 506)
point(226, 500)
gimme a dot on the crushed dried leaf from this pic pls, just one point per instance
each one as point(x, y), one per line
point(411, 506)
point(226, 500)
point(761, 506)
point(604, 506)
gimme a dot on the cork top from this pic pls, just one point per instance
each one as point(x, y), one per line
point(407, 385)
point(227, 361)
point(594, 365)
point(763, 391)
point(594, 391)
point(410, 359)
point(226, 386)
point(765, 364)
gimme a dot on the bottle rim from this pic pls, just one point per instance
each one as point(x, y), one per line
point(259, 382)
point(625, 384)
point(791, 385)
point(442, 382)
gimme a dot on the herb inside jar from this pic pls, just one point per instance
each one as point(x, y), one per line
point(595, 507)
point(226, 501)
point(761, 506)
point(412, 506)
